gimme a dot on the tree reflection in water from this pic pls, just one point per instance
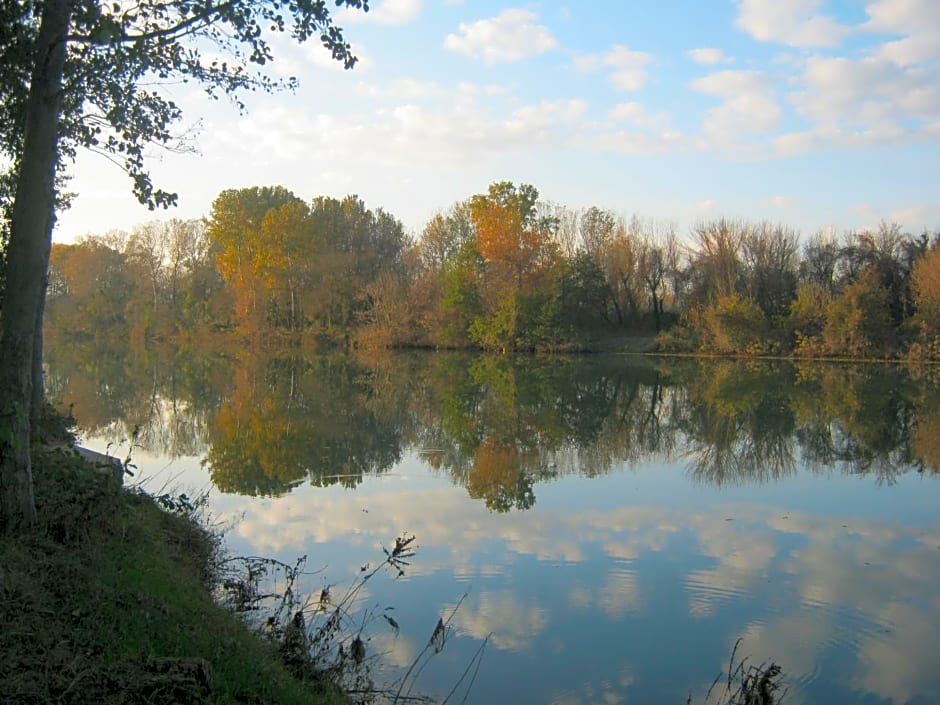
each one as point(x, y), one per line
point(499, 426)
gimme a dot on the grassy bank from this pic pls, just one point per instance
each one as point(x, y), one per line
point(108, 601)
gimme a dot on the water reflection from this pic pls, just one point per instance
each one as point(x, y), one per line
point(557, 495)
point(848, 603)
point(501, 427)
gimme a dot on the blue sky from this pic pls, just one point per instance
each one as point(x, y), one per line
point(814, 113)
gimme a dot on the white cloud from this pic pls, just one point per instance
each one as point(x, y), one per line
point(864, 91)
point(706, 206)
point(456, 127)
point(903, 16)
point(916, 21)
point(391, 12)
point(709, 55)
point(502, 616)
point(628, 66)
point(636, 114)
point(749, 105)
point(512, 35)
point(791, 22)
point(916, 217)
point(548, 114)
point(651, 133)
point(402, 89)
point(633, 143)
point(861, 102)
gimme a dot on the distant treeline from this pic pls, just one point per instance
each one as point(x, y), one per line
point(501, 270)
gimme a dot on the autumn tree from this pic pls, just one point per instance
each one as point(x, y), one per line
point(858, 321)
point(717, 259)
point(619, 259)
point(282, 262)
point(193, 278)
point(509, 232)
point(516, 242)
point(597, 227)
point(885, 252)
point(444, 235)
point(236, 231)
point(807, 318)
point(736, 324)
point(90, 286)
point(86, 64)
point(926, 285)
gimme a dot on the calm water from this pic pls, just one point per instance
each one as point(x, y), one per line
point(611, 526)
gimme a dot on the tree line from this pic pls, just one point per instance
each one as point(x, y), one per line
point(504, 271)
point(263, 262)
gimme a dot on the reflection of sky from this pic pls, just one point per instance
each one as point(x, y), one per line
point(634, 586)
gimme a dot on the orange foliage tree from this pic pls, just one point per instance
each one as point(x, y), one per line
point(509, 232)
point(235, 228)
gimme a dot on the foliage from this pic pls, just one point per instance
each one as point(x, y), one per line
point(501, 271)
point(858, 321)
point(808, 318)
point(737, 325)
point(105, 556)
point(322, 637)
point(926, 287)
point(746, 684)
point(111, 107)
point(461, 301)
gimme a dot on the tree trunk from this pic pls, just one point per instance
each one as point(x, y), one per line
point(37, 399)
point(28, 260)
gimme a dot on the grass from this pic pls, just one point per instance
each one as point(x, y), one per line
point(109, 600)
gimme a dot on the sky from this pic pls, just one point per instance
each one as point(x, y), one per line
point(816, 114)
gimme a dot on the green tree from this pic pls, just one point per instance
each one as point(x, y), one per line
point(461, 300)
point(359, 245)
point(585, 296)
point(86, 64)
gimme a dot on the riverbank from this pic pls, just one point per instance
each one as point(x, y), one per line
point(109, 600)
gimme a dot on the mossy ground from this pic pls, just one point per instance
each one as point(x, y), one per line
point(108, 585)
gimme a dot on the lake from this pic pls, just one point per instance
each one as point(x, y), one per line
point(609, 527)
